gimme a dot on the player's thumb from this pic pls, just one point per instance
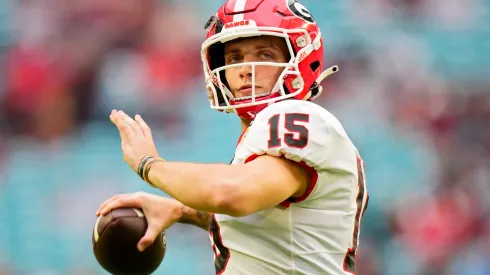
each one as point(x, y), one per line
point(148, 238)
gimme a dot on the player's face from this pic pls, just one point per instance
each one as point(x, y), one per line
point(254, 49)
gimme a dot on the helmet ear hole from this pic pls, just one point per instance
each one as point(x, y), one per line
point(315, 65)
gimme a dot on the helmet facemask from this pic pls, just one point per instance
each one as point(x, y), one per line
point(220, 96)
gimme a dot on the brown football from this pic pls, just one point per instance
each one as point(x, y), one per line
point(114, 241)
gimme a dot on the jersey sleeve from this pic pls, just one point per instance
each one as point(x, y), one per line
point(296, 130)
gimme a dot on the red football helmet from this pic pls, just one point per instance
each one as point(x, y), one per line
point(287, 19)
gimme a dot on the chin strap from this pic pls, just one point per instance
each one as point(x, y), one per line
point(317, 90)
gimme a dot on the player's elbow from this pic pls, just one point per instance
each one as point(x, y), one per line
point(231, 206)
point(231, 200)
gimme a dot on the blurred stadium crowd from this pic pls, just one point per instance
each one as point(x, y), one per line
point(413, 92)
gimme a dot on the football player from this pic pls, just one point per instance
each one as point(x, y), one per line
point(292, 200)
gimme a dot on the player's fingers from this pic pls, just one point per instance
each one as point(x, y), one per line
point(137, 196)
point(149, 237)
point(144, 127)
point(102, 205)
point(113, 198)
point(124, 130)
point(125, 201)
point(131, 123)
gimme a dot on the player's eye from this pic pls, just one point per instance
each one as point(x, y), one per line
point(233, 59)
point(267, 55)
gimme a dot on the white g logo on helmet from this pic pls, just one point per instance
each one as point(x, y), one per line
point(300, 11)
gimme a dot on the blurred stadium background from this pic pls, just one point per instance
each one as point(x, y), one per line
point(413, 93)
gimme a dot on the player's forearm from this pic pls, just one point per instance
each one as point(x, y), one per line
point(204, 187)
point(198, 218)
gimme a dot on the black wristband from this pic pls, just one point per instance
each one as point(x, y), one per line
point(141, 165)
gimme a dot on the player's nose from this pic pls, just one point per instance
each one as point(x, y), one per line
point(246, 71)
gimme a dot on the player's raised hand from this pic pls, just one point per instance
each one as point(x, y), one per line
point(136, 138)
point(160, 212)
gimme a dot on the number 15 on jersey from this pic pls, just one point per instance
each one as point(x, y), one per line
point(296, 132)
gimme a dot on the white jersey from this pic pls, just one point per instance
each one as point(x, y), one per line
point(315, 234)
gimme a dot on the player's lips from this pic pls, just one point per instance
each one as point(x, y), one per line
point(246, 90)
